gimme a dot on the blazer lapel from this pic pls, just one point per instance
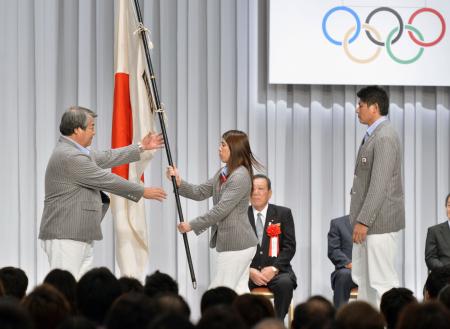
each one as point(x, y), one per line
point(251, 218)
point(445, 233)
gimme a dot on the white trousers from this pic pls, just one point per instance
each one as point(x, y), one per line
point(74, 256)
point(373, 266)
point(233, 269)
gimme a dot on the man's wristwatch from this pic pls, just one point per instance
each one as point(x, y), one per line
point(274, 269)
point(141, 148)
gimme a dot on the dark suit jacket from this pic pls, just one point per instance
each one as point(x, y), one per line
point(276, 214)
point(437, 246)
point(340, 244)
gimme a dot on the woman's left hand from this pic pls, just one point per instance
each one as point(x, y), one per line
point(184, 227)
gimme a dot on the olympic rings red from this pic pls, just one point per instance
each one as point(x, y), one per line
point(439, 38)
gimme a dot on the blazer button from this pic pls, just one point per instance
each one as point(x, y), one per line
point(260, 252)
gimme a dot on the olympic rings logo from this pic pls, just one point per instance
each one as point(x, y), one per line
point(393, 36)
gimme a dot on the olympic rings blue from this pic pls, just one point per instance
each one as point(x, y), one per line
point(343, 8)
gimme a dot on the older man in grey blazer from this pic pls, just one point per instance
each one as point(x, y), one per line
point(437, 245)
point(74, 180)
point(377, 210)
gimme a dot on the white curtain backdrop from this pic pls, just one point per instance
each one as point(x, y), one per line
point(210, 57)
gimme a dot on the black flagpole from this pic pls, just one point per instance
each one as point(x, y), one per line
point(166, 139)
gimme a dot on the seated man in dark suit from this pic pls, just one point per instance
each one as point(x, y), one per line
point(437, 245)
point(274, 227)
point(340, 245)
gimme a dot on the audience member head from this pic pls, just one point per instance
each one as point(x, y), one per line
point(444, 296)
point(270, 324)
point(131, 311)
point(359, 315)
point(158, 283)
point(316, 312)
point(437, 279)
point(253, 308)
point(47, 306)
point(429, 315)
point(393, 302)
point(14, 316)
point(129, 284)
point(14, 280)
point(171, 321)
point(171, 303)
point(217, 296)
point(65, 283)
point(221, 317)
point(96, 291)
point(77, 322)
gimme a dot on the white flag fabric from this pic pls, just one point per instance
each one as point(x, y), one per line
point(132, 120)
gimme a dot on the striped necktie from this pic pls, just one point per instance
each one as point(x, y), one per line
point(259, 227)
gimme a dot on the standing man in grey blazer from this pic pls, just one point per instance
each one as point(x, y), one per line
point(74, 204)
point(377, 210)
point(437, 245)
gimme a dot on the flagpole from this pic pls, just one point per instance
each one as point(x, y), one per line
point(166, 139)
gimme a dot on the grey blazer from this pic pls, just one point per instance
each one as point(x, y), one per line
point(230, 228)
point(73, 207)
point(437, 246)
point(377, 198)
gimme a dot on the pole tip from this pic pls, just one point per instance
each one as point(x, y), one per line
point(194, 284)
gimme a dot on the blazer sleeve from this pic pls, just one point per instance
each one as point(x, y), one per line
point(86, 173)
point(116, 157)
point(287, 243)
point(335, 253)
point(236, 187)
point(431, 250)
point(197, 192)
point(385, 157)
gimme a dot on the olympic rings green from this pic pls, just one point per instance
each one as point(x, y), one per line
point(389, 50)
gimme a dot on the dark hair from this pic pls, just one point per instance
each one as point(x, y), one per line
point(424, 316)
point(131, 311)
point(159, 282)
point(240, 151)
point(47, 307)
point(75, 117)
point(358, 315)
point(65, 283)
point(77, 322)
point(393, 302)
point(170, 321)
point(221, 317)
point(375, 95)
point(217, 296)
point(316, 312)
point(169, 302)
point(14, 316)
point(436, 280)
point(96, 291)
point(129, 284)
point(269, 183)
point(446, 200)
point(253, 308)
point(14, 280)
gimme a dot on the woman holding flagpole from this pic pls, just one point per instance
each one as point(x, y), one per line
point(231, 232)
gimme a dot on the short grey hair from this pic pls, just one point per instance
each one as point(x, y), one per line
point(75, 117)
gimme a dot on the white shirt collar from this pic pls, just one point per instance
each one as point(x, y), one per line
point(374, 125)
point(81, 148)
point(263, 213)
